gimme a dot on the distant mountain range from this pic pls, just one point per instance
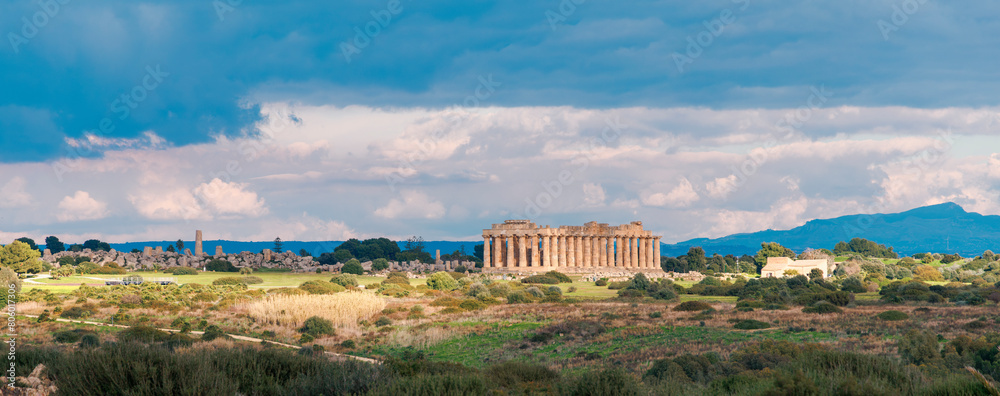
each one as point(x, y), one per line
point(942, 228)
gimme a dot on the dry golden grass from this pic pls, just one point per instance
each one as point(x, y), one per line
point(341, 308)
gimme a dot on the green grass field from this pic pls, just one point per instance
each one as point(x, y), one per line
point(271, 279)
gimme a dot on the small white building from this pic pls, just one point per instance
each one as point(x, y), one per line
point(777, 266)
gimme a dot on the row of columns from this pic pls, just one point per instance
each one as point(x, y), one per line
point(570, 251)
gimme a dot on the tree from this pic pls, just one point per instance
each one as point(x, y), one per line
point(864, 247)
point(696, 259)
point(54, 245)
point(415, 244)
point(342, 255)
point(353, 266)
point(278, 245)
point(30, 242)
point(815, 274)
point(927, 273)
point(304, 253)
point(771, 249)
point(21, 258)
point(180, 246)
point(171, 249)
point(8, 278)
point(95, 245)
point(380, 264)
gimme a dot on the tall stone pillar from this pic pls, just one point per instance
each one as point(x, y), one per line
point(198, 248)
point(562, 251)
point(633, 248)
point(578, 241)
point(534, 251)
point(498, 252)
point(546, 251)
point(602, 251)
point(510, 252)
point(649, 253)
point(610, 255)
point(486, 253)
point(522, 249)
point(587, 247)
point(656, 252)
point(619, 250)
point(643, 261)
point(554, 255)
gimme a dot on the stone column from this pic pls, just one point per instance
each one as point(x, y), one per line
point(633, 248)
point(578, 251)
point(509, 260)
point(588, 251)
point(602, 252)
point(546, 251)
point(610, 255)
point(498, 252)
point(562, 251)
point(198, 249)
point(643, 261)
point(656, 253)
point(554, 254)
point(534, 251)
point(619, 261)
point(649, 253)
point(522, 249)
point(486, 252)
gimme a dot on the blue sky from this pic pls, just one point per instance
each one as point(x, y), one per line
point(129, 120)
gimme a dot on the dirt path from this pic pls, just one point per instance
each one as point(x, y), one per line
point(338, 356)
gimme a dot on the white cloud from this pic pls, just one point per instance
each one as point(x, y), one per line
point(305, 228)
point(722, 186)
point(412, 205)
point(680, 196)
point(13, 194)
point(206, 201)
point(593, 194)
point(81, 207)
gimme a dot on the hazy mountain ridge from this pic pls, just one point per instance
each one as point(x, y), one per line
point(942, 228)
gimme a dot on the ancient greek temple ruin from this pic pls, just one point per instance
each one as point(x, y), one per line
point(520, 245)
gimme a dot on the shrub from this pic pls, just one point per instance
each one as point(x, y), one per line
point(572, 289)
point(212, 332)
point(380, 264)
point(822, 307)
point(601, 282)
point(750, 324)
point(477, 290)
point(471, 305)
point(893, 315)
point(145, 334)
point(664, 294)
point(559, 276)
point(218, 265)
point(353, 266)
point(79, 311)
point(543, 279)
point(383, 321)
point(90, 341)
point(109, 269)
point(228, 280)
point(518, 297)
point(655, 315)
point(442, 281)
point(535, 292)
point(317, 327)
point(183, 271)
point(252, 280)
point(349, 344)
point(86, 267)
point(320, 287)
point(611, 381)
point(346, 280)
point(692, 306)
point(66, 336)
point(511, 373)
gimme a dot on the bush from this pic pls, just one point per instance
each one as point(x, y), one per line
point(109, 269)
point(535, 292)
point(321, 287)
point(518, 297)
point(893, 315)
point(353, 266)
point(252, 280)
point(471, 305)
point(66, 336)
point(442, 281)
point(750, 324)
point(229, 280)
point(383, 321)
point(601, 282)
point(79, 311)
point(212, 332)
point(317, 327)
point(692, 306)
point(559, 276)
point(380, 264)
point(612, 381)
point(346, 280)
point(90, 341)
point(542, 279)
point(183, 271)
point(217, 265)
point(822, 307)
point(511, 373)
point(144, 334)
